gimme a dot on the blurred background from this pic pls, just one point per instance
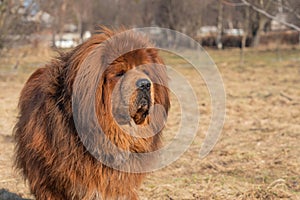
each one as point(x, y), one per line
point(255, 45)
point(214, 23)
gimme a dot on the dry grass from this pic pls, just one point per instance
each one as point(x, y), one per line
point(257, 155)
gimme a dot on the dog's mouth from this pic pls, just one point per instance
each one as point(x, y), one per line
point(136, 109)
point(141, 107)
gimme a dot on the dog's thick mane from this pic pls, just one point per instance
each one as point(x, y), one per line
point(50, 154)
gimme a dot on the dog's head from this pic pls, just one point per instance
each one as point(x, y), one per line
point(134, 79)
point(124, 75)
point(131, 87)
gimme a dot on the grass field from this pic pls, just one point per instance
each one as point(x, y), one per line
point(257, 155)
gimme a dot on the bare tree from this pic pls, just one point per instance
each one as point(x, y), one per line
point(260, 20)
point(292, 7)
point(147, 12)
point(83, 13)
point(13, 24)
point(245, 34)
point(57, 9)
point(184, 16)
point(263, 11)
point(220, 26)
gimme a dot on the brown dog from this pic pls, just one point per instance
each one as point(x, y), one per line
point(51, 153)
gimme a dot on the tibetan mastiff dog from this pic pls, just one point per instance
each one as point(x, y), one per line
point(116, 81)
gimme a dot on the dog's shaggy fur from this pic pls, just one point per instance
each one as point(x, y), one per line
point(49, 152)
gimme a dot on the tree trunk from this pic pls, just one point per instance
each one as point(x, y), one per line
point(53, 38)
point(80, 27)
point(261, 24)
point(244, 37)
point(220, 26)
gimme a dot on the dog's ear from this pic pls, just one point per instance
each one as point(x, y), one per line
point(90, 103)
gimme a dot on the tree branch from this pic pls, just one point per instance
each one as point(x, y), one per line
point(290, 9)
point(263, 12)
point(232, 4)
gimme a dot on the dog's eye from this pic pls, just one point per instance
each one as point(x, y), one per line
point(146, 72)
point(120, 73)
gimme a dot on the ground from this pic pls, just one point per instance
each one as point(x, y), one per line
point(256, 156)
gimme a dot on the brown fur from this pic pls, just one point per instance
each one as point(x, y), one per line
point(50, 153)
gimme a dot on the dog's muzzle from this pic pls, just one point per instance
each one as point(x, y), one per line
point(143, 101)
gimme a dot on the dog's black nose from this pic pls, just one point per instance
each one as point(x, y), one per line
point(143, 84)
